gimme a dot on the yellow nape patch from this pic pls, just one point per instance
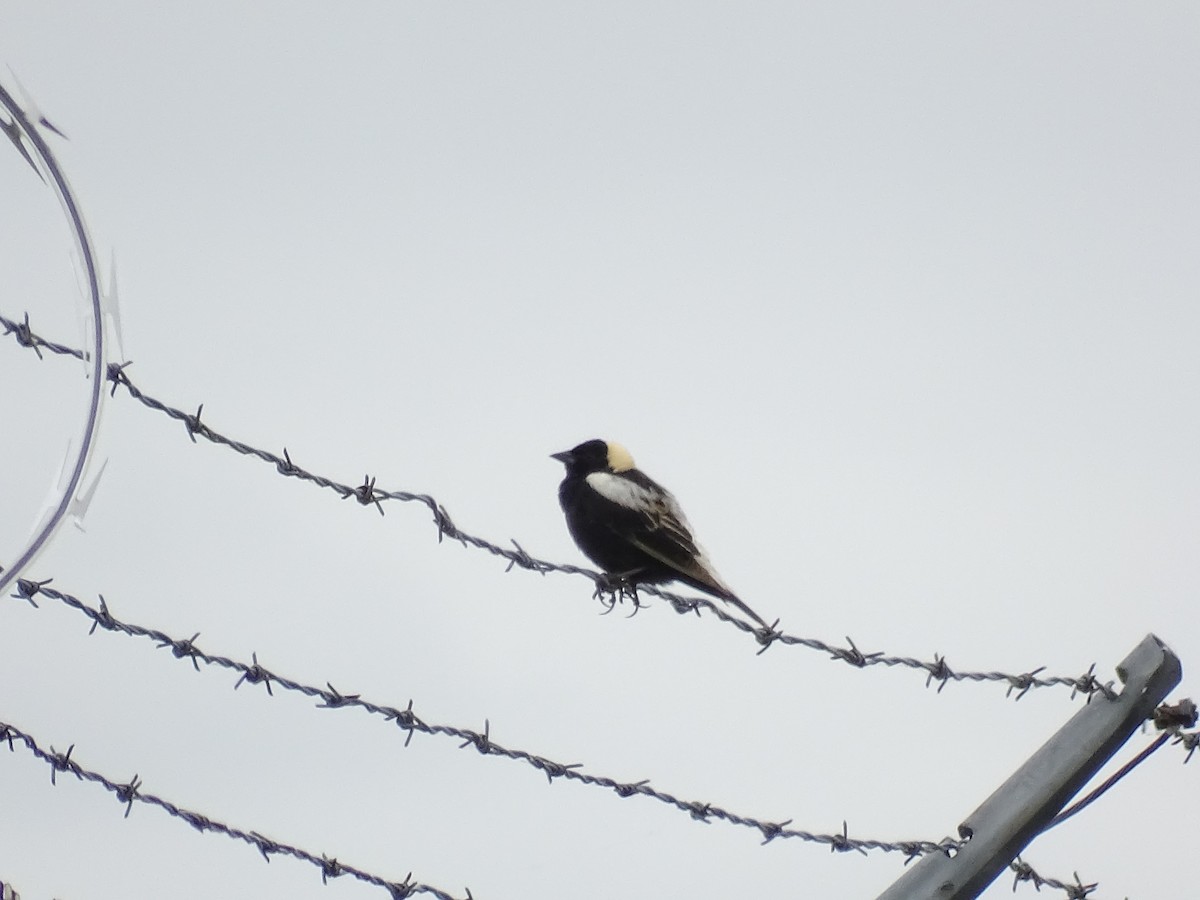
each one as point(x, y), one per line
point(619, 459)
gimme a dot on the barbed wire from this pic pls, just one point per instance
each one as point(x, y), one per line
point(1171, 720)
point(408, 721)
point(368, 494)
point(131, 792)
point(937, 670)
point(1024, 873)
point(26, 338)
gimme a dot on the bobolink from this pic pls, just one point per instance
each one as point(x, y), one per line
point(631, 526)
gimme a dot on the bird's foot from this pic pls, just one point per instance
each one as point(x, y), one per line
point(613, 589)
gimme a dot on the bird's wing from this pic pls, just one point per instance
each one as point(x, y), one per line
point(656, 526)
point(653, 522)
point(648, 510)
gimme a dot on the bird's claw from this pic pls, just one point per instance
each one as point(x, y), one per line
point(614, 589)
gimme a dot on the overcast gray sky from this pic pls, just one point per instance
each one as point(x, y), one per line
point(898, 299)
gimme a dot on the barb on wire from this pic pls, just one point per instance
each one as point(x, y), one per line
point(130, 792)
point(1173, 719)
point(1075, 890)
point(408, 721)
point(938, 671)
point(24, 336)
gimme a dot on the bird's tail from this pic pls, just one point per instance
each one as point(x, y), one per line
point(736, 601)
point(701, 575)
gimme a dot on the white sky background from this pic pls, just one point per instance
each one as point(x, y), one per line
point(900, 300)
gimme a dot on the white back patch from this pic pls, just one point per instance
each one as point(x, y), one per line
point(619, 459)
point(623, 492)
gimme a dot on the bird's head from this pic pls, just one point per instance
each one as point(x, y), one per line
point(595, 456)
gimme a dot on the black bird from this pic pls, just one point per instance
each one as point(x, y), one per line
point(631, 526)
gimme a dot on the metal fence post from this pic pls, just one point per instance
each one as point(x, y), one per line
point(1024, 805)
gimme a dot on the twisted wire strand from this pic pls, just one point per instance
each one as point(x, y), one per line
point(367, 494)
point(1024, 874)
point(408, 721)
point(937, 671)
point(131, 792)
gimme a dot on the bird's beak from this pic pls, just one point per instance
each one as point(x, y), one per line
point(566, 457)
